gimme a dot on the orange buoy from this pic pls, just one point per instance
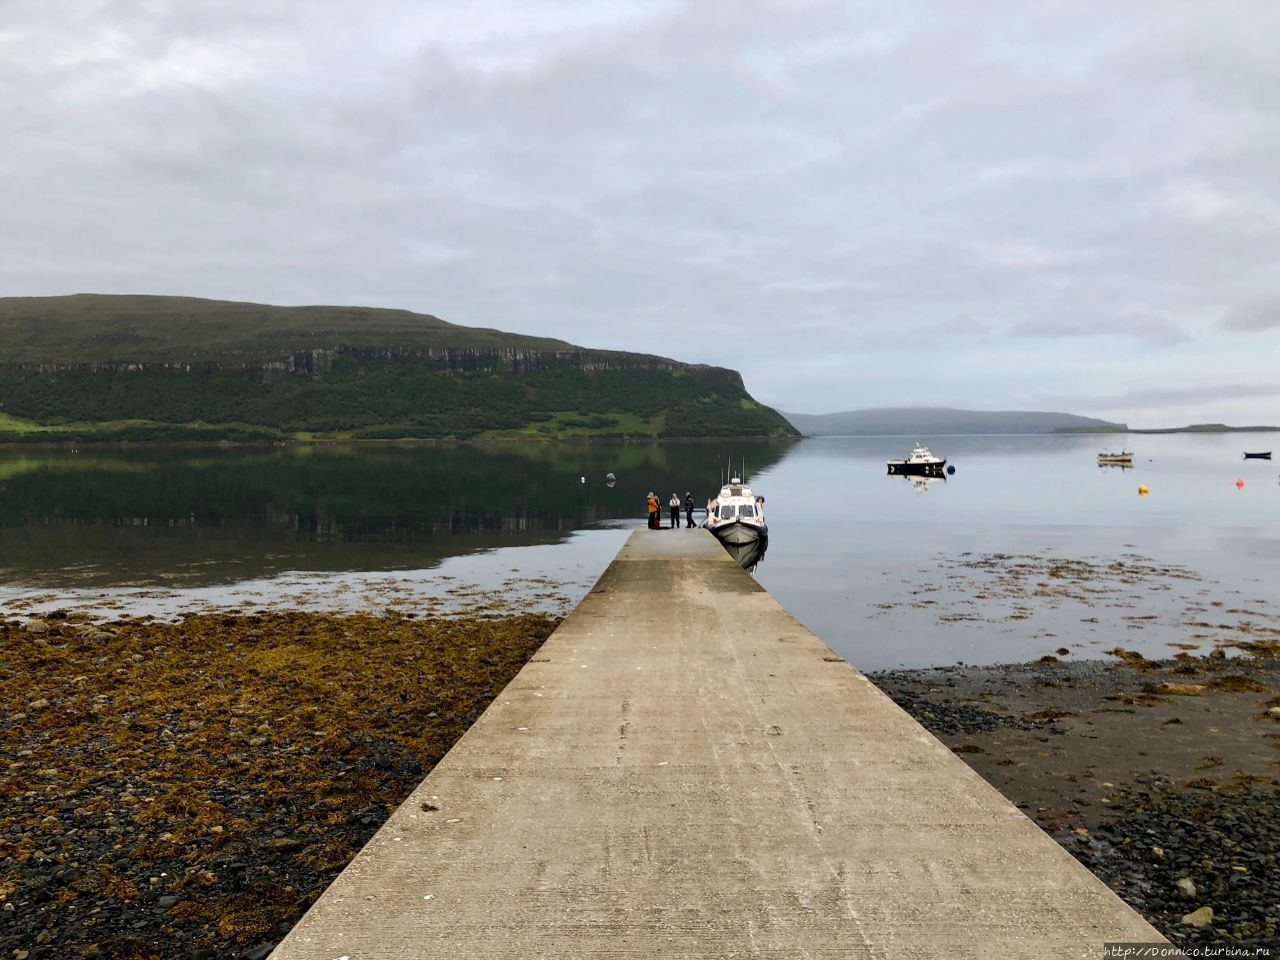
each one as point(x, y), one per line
point(1239, 484)
point(1142, 490)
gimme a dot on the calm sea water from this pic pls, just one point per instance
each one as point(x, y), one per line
point(1028, 548)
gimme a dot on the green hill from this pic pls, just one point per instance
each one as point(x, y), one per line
point(93, 367)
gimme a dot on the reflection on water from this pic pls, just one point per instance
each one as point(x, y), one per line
point(920, 484)
point(184, 517)
point(748, 554)
point(883, 573)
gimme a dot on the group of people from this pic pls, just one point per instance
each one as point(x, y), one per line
point(655, 510)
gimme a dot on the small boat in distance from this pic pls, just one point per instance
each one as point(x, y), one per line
point(1262, 455)
point(1124, 458)
point(921, 462)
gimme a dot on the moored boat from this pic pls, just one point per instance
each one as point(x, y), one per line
point(920, 462)
point(1260, 455)
point(736, 515)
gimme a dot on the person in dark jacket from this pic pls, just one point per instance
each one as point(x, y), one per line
point(688, 509)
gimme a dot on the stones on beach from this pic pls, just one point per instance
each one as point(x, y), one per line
point(95, 634)
point(141, 816)
point(1199, 918)
point(1149, 827)
point(37, 628)
point(1173, 688)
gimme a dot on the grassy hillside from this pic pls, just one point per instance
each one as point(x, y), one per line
point(163, 368)
point(92, 328)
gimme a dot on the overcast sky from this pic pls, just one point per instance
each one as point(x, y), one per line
point(1001, 205)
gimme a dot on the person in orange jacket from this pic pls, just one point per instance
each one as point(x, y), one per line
point(654, 522)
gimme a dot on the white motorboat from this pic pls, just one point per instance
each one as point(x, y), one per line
point(920, 462)
point(736, 515)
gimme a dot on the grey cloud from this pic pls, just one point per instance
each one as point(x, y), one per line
point(1156, 331)
point(1177, 397)
point(702, 179)
point(1253, 317)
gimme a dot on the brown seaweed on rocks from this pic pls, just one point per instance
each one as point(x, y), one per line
point(174, 787)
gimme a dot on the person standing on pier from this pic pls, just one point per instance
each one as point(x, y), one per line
point(654, 523)
point(674, 504)
point(688, 509)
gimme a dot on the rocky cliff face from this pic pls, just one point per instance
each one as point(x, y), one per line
point(458, 359)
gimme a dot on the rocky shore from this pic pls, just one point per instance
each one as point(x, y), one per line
point(1160, 776)
point(187, 790)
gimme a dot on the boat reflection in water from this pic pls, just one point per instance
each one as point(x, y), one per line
point(747, 554)
point(921, 484)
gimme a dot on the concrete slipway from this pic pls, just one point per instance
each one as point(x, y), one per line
point(683, 770)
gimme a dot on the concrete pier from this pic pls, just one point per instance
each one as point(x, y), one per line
point(684, 770)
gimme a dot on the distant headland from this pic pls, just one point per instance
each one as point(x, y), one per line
point(946, 421)
point(1192, 428)
point(934, 421)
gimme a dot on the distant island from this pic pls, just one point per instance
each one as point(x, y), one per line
point(934, 421)
point(92, 367)
point(1192, 429)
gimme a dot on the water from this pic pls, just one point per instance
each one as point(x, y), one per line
point(1011, 558)
point(891, 575)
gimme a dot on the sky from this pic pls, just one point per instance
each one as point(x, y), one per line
point(988, 204)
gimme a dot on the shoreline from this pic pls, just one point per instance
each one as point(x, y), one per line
point(1160, 776)
point(185, 789)
point(570, 440)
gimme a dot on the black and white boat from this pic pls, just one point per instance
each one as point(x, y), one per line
point(921, 462)
point(1258, 455)
point(736, 515)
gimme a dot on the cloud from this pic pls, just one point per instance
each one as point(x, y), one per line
point(699, 179)
point(1185, 397)
point(1025, 254)
point(1253, 317)
point(1153, 330)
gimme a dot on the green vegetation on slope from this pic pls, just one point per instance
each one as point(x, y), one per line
point(96, 328)
point(161, 368)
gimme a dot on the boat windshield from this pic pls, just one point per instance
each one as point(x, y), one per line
point(747, 510)
point(726, 511)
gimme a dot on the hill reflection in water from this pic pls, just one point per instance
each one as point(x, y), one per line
point(195, 517)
